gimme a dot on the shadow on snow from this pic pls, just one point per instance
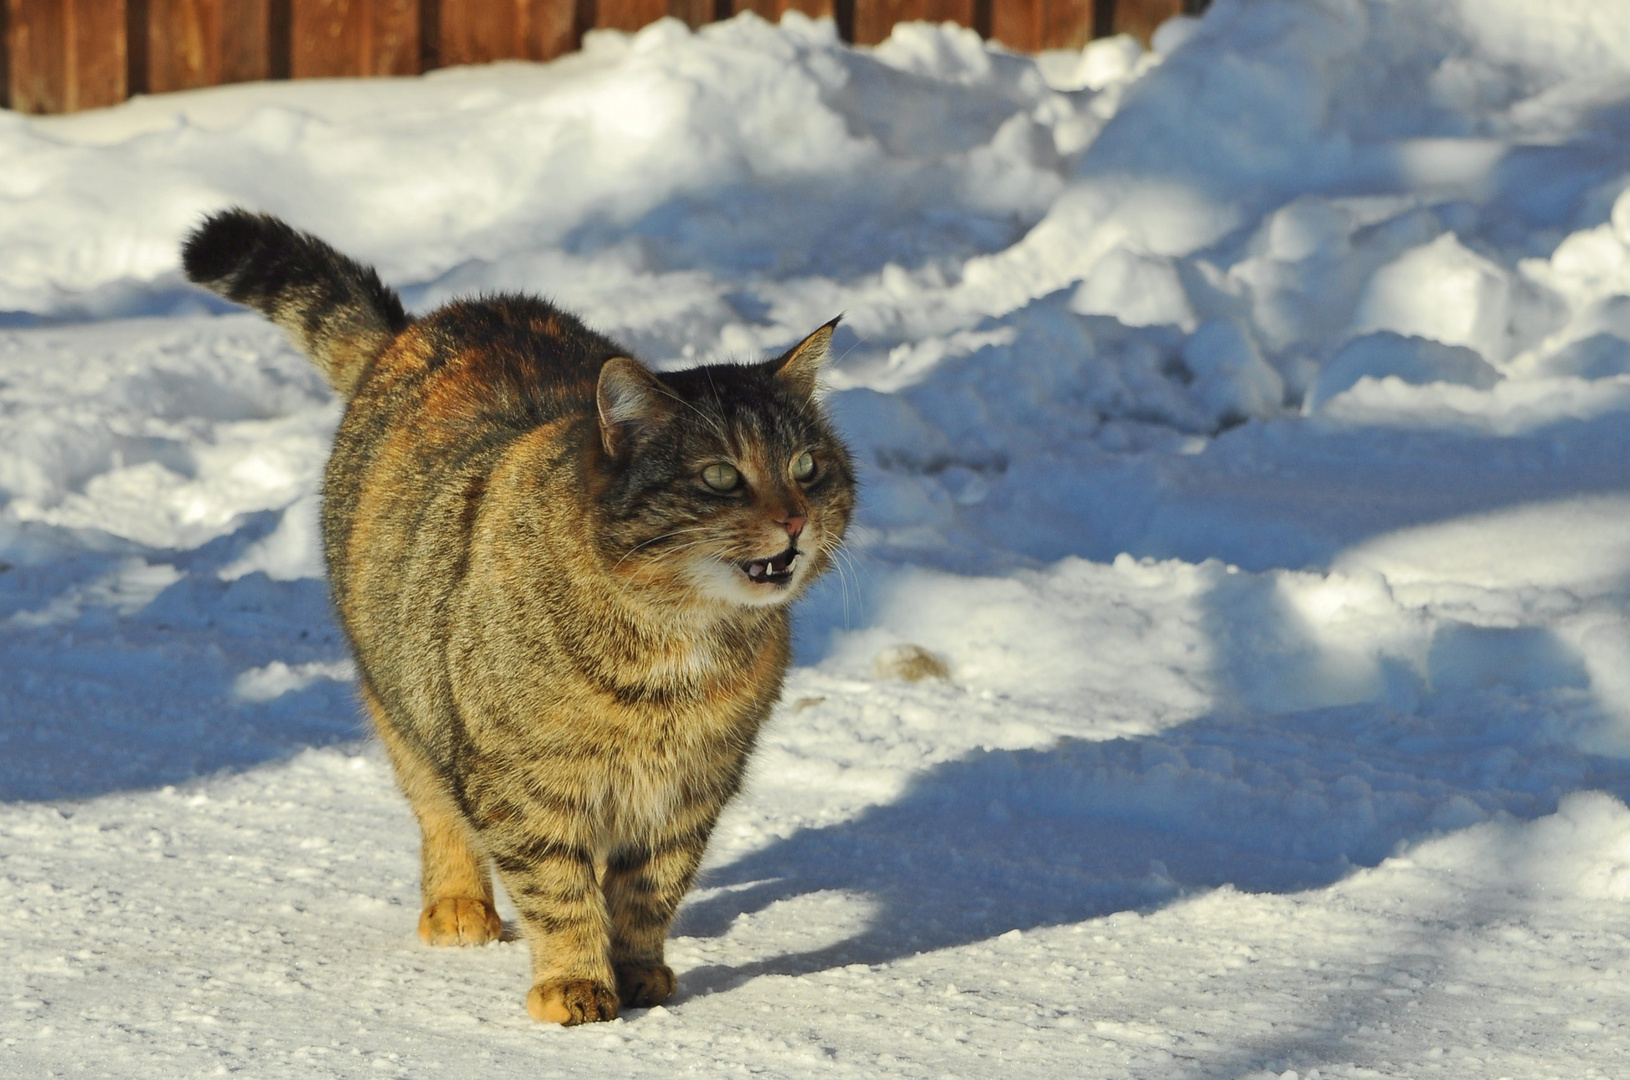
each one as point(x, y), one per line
point(1004, 840)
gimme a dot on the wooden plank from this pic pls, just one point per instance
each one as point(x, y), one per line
point(192, 43)
point(325, 38)
point(98, 68)
point(556, 27)
point(1066, 24)
point(1140, 17)
point(135, 46)
point(329, 38)
point(1017, 23)
point(481, 31)
point(5, 54)
point(875, 18)
point(183, 44)
point(65, 55)
point(279, 38)
point(478, 31)
point(393, 38)
point(1031, 25)
point(774, 9)
point(693, 13)
point(246, 40)
point(628, 15)
point(843, 13)
point(36, 35)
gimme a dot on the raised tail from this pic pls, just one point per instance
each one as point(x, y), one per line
point(336, 309)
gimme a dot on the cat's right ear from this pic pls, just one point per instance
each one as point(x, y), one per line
point(800, 368)
point(630, 399)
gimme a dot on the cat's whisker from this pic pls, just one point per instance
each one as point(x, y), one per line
point(839, 558)
point(666, 554)
point(654, 539)
point(843, 589)
point(669, 554)
point(854, 562)
point(845, 566)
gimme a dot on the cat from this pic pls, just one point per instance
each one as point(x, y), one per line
point(565, 578)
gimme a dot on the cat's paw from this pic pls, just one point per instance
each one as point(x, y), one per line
point(572, 1001)
point(459, 921)
point(641, 986)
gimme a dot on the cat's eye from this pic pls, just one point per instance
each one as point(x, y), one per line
point(721, 477)
point(803, 466)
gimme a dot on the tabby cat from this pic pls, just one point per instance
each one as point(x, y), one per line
point(566, 580)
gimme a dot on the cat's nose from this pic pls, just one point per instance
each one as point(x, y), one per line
point(794, 524)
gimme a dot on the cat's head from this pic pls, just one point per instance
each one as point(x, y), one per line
point(723, 484)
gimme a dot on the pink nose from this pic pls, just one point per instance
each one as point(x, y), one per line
point(794, 524)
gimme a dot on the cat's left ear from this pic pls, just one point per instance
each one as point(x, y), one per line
point(800, 368)
point(630, 399)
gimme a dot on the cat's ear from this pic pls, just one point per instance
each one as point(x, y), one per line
point(800, 368)
point(630, 399)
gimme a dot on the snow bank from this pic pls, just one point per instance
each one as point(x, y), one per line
point(1228, 669)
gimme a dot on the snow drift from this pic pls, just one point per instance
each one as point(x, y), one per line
point(1243, 434)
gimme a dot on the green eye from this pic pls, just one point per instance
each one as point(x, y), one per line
point(803, 466)
point(721, 477)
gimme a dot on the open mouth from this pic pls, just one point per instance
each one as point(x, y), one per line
point(776, 570)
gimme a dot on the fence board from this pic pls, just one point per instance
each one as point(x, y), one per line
point(35, 34)
point(473, 32)
point(1066, 24)
point(480, 31)
point(353, 37)
point(1017, 23)
point(875, 18)
point(557, 27)
point(97, 65)
point(60, 55)
point(1140, 17)
point(135, 46)
point(193, 43)
point(774, 9)
point(695, 13)
point(394, 37)
point(280, 33)
point(65, 54)
point(628, 15)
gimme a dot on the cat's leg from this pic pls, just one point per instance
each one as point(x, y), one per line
point(552, 878)
point(643, 887)
point(454, 883)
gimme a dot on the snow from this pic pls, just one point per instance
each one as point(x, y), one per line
point(1229, 674)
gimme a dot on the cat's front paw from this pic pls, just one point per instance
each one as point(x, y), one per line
point(641, 986)
point(572, 1001)
point(459, 921)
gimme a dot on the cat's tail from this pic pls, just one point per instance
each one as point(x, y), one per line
point(336, 309)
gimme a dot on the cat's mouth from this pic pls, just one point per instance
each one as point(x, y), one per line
point(776, 570)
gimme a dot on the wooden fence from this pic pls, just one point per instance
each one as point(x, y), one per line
point(63, 55)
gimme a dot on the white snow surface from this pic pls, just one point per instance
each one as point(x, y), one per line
point(1244, 425)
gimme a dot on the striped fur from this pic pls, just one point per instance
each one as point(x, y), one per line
point(559, 639)
point(336, 310)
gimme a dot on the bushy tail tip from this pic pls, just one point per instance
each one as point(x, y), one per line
point(335, 308)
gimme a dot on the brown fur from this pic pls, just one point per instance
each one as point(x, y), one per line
point(561, 695)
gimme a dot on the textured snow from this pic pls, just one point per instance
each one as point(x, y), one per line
point(1229, 676)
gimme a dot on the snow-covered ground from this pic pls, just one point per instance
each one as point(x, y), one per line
point(1246, 429)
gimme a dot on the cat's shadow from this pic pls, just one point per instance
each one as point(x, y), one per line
point(1019, 840)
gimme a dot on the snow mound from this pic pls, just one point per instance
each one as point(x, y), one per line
point(1227, 672)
